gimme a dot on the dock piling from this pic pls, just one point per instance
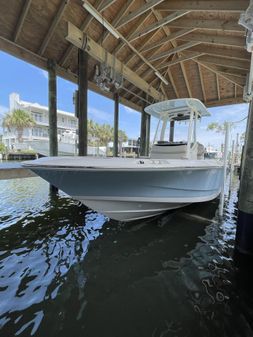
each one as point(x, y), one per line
point(244, 233)
point(82, 102)
point(116, 125)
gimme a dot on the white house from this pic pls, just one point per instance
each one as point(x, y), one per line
point(66, 125)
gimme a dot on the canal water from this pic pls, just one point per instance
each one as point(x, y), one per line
point(68, 271)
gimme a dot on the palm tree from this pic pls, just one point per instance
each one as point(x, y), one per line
point(19, 120)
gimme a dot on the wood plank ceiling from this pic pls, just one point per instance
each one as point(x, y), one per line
point(197, 46)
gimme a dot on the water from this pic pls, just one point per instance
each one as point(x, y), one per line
point(67, 271)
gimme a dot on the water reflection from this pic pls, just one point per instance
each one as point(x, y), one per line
point(65, 270)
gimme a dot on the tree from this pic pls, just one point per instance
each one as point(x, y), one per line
point(219, 128)
point(2, 148)
point(19, 120)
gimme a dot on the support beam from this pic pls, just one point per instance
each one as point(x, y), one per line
point(225, 62)
point(206, 5)
point(101, 5)
point(187, 57)
point(22, 16)
point(156, 25)
point(53, 26)
point(116, 125)
point(186, 79)
point(215, 24)
point(223, 40)
point(236, 54)
point(173, 51)
point(172, 125)
point(202, 83)
point(225, 101)
point(52, 109)
point(167, 39)
point(244, 233)
point(136, 13)
point(80, 40)
point(218, 87)
point(83, 106)
point(41, 62)
point(143, 142)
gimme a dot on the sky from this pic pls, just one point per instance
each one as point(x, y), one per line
point(31, 83)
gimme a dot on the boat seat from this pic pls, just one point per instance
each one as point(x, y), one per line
point(166, 143)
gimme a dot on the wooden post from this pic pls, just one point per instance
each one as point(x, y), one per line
point(116, 125)
point(143, 132)
point(52, 109)
point(52, 114)
point(172, 125)
point(82, 102)
point(244, 233)
point(147, 134)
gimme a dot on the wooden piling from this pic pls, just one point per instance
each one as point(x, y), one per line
point(143, 140)
point(172, 125)
point(52, 109)
point(82, 102)
point(244, 233)
point(52, 113)
point(116, 125)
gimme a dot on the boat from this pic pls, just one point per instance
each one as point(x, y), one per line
point(176, 173)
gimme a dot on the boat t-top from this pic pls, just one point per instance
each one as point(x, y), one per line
point(176, 173)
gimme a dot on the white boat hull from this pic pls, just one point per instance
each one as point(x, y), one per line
point(129, 189)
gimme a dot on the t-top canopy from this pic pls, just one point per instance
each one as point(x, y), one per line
point(177, 109)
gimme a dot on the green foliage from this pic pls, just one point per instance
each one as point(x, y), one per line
point(102, 134)
point(19, 120)
point(2, 148)
point(219, 128)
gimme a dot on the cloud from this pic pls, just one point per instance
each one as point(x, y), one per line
point(130, 110)
point(100, 115)
point(44, 73)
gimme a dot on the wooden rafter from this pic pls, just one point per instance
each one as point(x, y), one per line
point(97, 52)
point(206, 5)
point(173, 51)
point(225, 62)
point(218, 86)
point(100, 5)
point(228, 70)
point(202, 82)
point(186, 79)
point(215, 24)
point(21, 19)
point(119, 15)
point(224, 40)
point(170, 37)
point(41, 62)
point(53, 26)
point(234, 79)
point(234, 53)
point(224, 101)
point(172, 17)
point(136, 13)
point(189, 56)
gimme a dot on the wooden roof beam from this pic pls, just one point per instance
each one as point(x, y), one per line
point(206, 5)
point(229, 71)
point(234, 53)
point(189, 56)
point(117, 18)
point(101, 5)
point(21, 19)
point(96, 51)
point(225, 62)
point(225, 101)
point(136, 13)
point(41, 62)
point(172, 17)
point(234, 79)
point(186, 79)
point(218, 86)
point(228, 40)
point(53, 26)
point(173, 51)
point(167, 39)
point(215, 24)
point(202, 82)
